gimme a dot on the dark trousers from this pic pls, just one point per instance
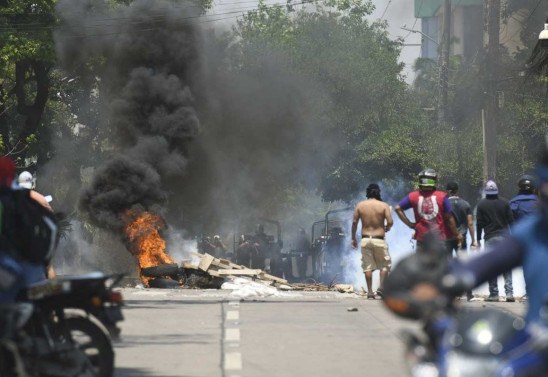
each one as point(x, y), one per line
point(508, 287)
point(493, 285)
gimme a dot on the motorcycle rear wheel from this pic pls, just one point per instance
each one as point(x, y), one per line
point(94, 343)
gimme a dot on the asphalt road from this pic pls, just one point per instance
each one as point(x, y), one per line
point(212, 333)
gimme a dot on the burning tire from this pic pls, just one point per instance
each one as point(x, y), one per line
point(202, 280)
point(163, 283)
point(161, 270)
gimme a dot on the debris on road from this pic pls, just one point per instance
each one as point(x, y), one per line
point(224, 268)
point(206, 271)
point(245, 288)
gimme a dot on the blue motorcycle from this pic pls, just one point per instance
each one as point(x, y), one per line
point(465, 341)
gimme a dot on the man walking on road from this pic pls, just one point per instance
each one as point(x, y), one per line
point(494, 216)
point(431, 208)
point(376, 220)
point(465, 223)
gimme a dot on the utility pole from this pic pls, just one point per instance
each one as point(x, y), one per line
point(491, 110)
point(444, 63)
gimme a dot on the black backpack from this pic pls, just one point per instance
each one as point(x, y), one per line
point(28, 230)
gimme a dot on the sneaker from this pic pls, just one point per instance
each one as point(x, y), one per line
point(492, 299)
point(510, 299)
point(380, 293)
point(469, 297)
point(371, 296)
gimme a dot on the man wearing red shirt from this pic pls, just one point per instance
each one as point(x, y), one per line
point(431, 208)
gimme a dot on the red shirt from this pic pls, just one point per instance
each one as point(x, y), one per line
point(429, 208)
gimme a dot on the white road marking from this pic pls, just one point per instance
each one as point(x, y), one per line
point(232, 335)
point(232, 315)
point(232, 357)
point(233, 361)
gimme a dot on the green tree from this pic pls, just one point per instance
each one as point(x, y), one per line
point(26, 47)
point(365, 106)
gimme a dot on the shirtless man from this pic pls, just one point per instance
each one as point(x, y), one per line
point(376, 221)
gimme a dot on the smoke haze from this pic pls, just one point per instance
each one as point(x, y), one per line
point(209, 148)
point(149, 56)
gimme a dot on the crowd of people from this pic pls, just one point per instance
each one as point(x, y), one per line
point(450, 216)
point(443, 211)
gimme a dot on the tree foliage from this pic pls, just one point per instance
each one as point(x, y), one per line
point(26, 47)
point(368, 111)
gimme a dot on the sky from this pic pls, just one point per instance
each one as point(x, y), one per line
point(398, 13)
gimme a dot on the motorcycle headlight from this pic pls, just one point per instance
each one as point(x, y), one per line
point(465, 365)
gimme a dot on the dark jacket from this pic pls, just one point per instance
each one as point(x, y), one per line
point(493, 215)
point(523, 205)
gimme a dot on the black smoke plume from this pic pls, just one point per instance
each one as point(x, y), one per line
point(144, 55)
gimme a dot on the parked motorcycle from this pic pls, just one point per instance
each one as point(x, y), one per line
point(459, 342)
point(62, 328)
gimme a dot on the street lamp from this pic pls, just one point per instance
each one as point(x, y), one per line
point(538, 61)
point(543, 36)
point(421, 33)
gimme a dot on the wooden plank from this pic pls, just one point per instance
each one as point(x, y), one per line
point(229, 263)
point(205, 262)
point(223, 263)
point(232, 271)
point(213, 273)
point(264, 275)
point(189, 266)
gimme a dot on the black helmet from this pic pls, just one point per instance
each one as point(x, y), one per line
point(527, 184)
point(428, 178)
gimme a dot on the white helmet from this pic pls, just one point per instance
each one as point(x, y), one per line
point(26, 180)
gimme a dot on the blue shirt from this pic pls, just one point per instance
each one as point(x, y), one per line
point(524, 205)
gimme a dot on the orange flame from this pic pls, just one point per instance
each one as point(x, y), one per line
point(143, 233)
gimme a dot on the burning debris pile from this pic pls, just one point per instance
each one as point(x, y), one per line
point(144, 55)
point(211, 272)
point(144, 239)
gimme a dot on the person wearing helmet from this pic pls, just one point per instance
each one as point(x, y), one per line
point(219, 248)
point(525, 245)
point(27, 181)
point(526, 202)
point(16, 272)
point(431, 208)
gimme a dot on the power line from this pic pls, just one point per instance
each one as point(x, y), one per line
point(385, 9)
point(62, 13)
point(230, 13)
point(416, 19)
